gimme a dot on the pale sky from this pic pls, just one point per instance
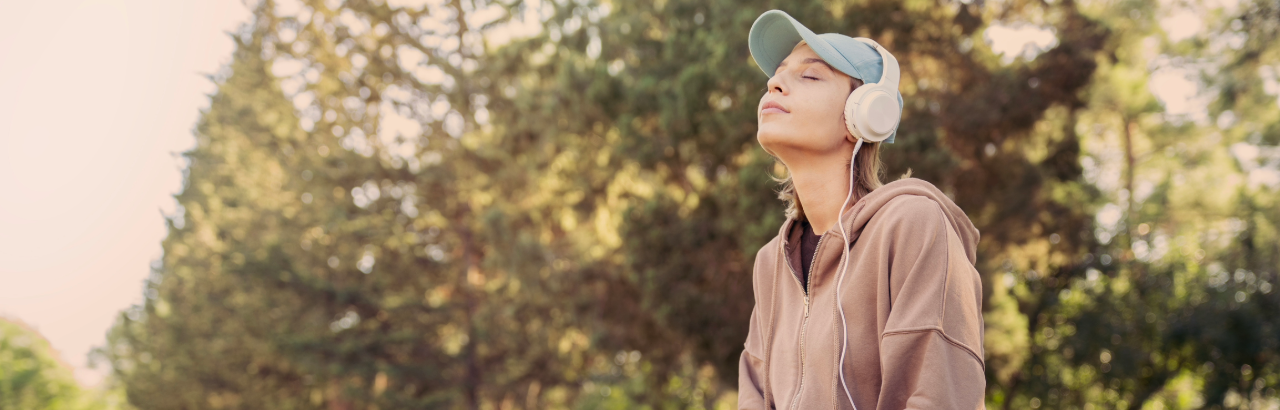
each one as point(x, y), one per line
point(96, 98)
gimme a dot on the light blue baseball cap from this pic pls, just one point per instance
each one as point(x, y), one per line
point(775, 33)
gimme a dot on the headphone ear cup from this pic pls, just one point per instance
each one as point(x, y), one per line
point(851, 111)
point(871, 113)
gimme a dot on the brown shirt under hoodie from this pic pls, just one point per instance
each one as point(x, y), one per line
point(912, 303)
point(808, 244)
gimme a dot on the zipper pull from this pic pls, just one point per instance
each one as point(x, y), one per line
point(806, 306)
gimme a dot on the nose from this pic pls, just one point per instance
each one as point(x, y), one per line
point(776, 84)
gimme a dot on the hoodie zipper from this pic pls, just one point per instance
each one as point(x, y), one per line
point(804, 324)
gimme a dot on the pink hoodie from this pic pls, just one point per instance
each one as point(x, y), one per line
point(912, 303)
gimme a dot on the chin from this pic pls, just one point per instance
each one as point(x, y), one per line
point(773, 131)
point(774, 141)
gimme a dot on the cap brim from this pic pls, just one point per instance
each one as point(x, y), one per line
point(775, 33)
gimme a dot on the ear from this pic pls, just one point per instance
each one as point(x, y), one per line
point(844, 124)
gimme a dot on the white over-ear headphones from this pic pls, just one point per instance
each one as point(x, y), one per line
point(871, 113)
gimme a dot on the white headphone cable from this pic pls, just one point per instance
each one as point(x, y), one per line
point(844, 267)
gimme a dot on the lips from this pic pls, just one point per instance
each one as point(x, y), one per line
point(772, 107)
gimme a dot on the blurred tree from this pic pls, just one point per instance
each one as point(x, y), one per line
point(330, 253)
point(1166, 311)
point(33, 377)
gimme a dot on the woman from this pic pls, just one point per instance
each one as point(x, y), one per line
point(868, 297)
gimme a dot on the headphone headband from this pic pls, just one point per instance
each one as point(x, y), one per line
point(889, 75)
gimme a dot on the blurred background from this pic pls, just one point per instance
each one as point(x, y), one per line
point(394, 204)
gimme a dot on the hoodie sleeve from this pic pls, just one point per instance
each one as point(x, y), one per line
point(930, 351)
point(751, 383)
point(751, 370)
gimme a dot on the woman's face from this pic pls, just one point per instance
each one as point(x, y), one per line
point(802, 110)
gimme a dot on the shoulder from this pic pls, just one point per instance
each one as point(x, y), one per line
point(917, 204)
point(767, 255)
point(766, 263)
point(910, 215)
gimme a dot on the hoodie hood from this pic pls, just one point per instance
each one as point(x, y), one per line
point(857, 216)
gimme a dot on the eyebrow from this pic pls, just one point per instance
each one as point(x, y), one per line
point(809, 60)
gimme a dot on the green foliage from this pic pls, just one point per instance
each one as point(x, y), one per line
point(1166, 310)
point(410, 208)
point(32, 377)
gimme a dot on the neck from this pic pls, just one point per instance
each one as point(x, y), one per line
point(822, 184)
